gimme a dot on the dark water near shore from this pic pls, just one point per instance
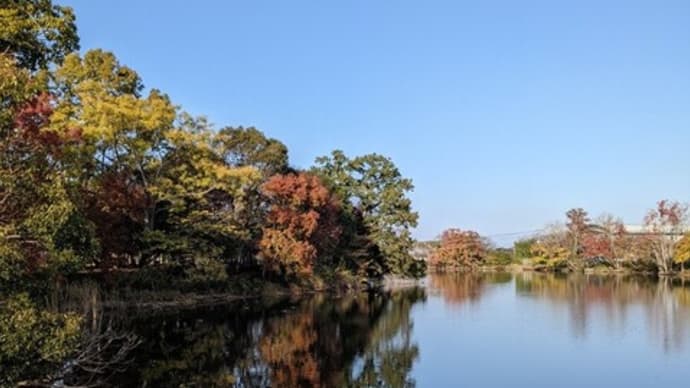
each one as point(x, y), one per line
point(495, 330)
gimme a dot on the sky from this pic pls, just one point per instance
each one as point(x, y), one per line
point(505, 114)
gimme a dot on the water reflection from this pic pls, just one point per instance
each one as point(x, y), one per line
point(362, 340)
point(608, 301)
point(461, 288)
point(367, 340)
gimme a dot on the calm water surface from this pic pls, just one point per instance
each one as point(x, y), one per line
point(526, 330)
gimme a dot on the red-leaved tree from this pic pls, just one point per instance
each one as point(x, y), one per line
point(606, 240)
point(596, 245)
point(301, 225)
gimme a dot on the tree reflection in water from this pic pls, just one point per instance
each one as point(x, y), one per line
point(663, 302)
point(461, 288)
point(362, 340)
point(366, 340)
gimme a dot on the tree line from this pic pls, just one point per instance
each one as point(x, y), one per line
point(661, 244)
point(98, 172)
point(100, 175)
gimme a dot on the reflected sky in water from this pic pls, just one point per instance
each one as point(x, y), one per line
point(491, 330)
point(538, 330)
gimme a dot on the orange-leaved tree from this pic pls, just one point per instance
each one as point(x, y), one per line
point(301, 224)
point(459, 249)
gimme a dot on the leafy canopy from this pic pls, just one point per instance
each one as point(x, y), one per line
point(372, 186)
point(36, 32)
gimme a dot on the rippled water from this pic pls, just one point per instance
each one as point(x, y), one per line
point(501, 330)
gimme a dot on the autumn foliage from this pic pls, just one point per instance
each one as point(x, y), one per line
point(459, 249)
point(103, 177)
point(301, 224)
point(116, 206)
point(596, 245)
point(605, 241)
point(682, 253)
point(288, 347)
point(665, 222)
point(99, 173)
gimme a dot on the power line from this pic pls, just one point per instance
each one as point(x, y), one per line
point(535, 231)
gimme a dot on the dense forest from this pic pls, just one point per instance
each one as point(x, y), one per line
point(98, 172)
point(104, 178)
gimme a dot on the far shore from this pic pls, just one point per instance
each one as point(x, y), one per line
point(521, 268)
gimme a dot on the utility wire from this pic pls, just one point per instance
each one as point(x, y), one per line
point(535, 231)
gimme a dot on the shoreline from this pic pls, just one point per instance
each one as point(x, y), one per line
point(165, 299)
point(193, 299)
point(519, 268)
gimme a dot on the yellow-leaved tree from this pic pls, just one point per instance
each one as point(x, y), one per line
point(200, 197)
point(682, 251)
point(122, 136)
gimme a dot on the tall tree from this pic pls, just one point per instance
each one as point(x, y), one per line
point(373, 186)
point(198, 198)
point(250, 147)
point(34, 205)
point(36, 32)
point(123, 137)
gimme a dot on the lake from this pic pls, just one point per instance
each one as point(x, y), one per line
point(490, 330)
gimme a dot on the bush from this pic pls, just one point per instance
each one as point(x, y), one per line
point(499, 256)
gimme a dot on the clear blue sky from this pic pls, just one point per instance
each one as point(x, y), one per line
point(504, 113)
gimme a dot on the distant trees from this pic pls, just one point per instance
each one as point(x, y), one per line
point(613, 231)
point(553, 247)
point(522, 248)
point(582, 243)
point(596, 245)
point(577, 224)
point(664, 223)
point(458, 249)
point(607, 242)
